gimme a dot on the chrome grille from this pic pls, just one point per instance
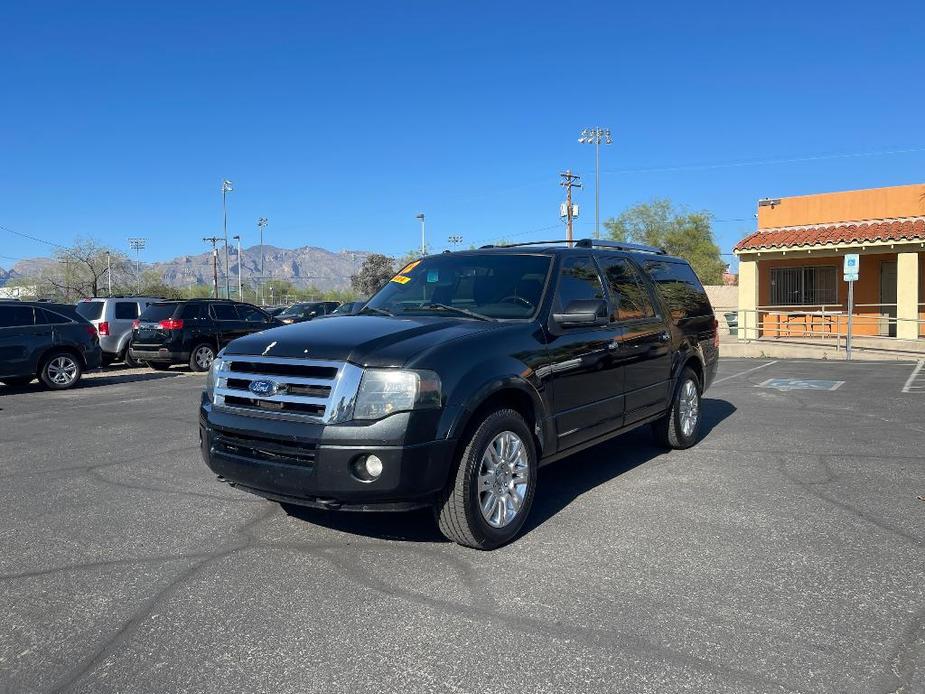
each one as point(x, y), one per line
point(302, 389)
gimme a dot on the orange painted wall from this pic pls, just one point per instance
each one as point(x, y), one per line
point(846, 206)
point(866, 291)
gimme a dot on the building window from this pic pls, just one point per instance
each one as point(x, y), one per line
point(804, 286)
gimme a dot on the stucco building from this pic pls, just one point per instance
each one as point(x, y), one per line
point(790, 269)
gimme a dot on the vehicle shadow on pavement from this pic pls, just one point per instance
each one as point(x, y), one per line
point(564, 481)
point(93, 382)
point(557, 486)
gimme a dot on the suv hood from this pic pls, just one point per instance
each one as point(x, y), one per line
point(363, 340)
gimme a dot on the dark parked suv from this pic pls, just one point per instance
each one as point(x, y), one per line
point(462, 376)
point(192, 332)
point(306, 310)
point(47, 341)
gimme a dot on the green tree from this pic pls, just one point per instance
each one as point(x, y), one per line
point(377, 269)
point(688, 235)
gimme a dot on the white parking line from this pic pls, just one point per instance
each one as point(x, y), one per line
point(742, 373)
point(911, 385)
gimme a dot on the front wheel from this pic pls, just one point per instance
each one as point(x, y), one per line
point(680, 427)
point(488, 499)
point(60, 371)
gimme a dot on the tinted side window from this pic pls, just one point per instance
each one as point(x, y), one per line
point(224, 312)
point(43, 317)
point(126, 310)
point(630, 298)
point(679, 287)
point(578, 281)
point(195, 311)
point(251, 314)
point(15, 316)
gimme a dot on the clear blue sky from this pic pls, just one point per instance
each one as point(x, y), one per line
point(341, 121)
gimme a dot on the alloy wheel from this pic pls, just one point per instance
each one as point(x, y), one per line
point(688, 408)
point(204, 357)
point(502, 480)
point(62, 370)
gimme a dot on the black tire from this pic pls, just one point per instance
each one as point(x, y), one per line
point(669, 431)
point(458, 510)
point(61, 370)
point(129, 360)
point(158, 365)
point(18, 381)
point(201, 357)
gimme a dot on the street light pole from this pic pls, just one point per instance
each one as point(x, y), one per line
point(596, 136)
point(261, 223)
point(137, 243)
point(238, 239)
point(227, 187)
point(423, 240)
point(109, 272)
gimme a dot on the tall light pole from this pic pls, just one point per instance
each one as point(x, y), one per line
point(261, 223)
point(137, 244)
point(596, 136)
point(454, 240)
point(109, 272)
point(238, 239)
point(423, 240)
point(226, 188)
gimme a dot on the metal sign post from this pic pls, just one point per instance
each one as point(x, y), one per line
point(852, 272)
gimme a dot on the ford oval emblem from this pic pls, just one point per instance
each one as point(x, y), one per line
point(266, 389)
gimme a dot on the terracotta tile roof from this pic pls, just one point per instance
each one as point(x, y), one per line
point(905, 229)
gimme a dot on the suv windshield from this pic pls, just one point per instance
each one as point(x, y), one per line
point(91, 310)
point(492, 285)
point(157, 312)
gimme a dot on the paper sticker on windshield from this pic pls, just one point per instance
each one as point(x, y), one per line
point(400, 279)
point(433, 276)
point(409, 267)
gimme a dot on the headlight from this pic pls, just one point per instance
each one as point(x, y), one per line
point(387, 391)
point(218, 364)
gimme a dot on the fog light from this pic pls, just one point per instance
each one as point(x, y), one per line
point(367, 468)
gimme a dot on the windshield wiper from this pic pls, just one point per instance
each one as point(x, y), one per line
point(458, 309)
point(383, 311)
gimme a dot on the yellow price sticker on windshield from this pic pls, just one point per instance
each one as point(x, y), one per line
point(400, 279)
point(409, 267)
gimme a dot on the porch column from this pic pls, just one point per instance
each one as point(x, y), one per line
point(748, 299)
point(907, 295)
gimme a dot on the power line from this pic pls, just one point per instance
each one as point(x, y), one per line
point(31, 238)
point(763, 162)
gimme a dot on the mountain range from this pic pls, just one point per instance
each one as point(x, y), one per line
point(305, 266)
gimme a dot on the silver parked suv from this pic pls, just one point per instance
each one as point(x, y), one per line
point(113, 317)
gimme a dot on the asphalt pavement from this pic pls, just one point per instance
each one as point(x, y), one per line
point(782, 553)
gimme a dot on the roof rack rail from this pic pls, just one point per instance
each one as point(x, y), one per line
point(620, 246)
point(589, 243)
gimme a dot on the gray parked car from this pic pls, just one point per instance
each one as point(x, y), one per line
point(113, 317)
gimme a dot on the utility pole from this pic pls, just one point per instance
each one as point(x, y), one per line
point(238, 239)
point(214, 240)
point(226, 188)
point(261, 224)
point(109, 272)
point(596, 137)
point(569, 181)
point(420, 216)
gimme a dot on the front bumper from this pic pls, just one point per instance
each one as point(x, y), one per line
point(310, 464)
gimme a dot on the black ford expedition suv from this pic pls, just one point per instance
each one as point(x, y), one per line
point(462, 376)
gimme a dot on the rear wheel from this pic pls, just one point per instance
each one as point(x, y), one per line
point(158, 365)
point(129, 360)
point(488, 499)
point(201, 358)
point(60, 371)
point(680, 428)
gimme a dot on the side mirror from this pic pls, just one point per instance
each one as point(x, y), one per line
point(582, 312)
